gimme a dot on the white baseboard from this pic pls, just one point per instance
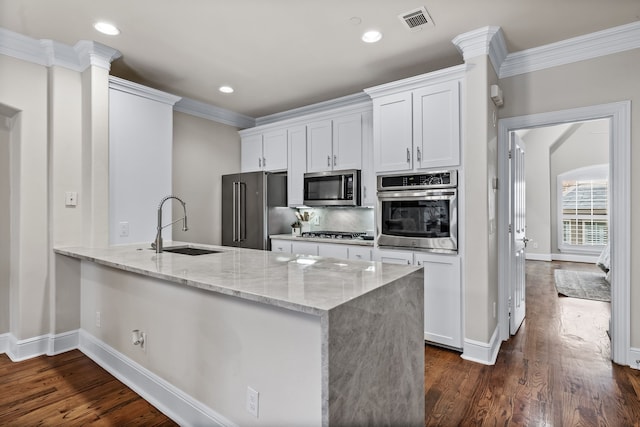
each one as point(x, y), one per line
point(480, 352)
point(537, 257)
point(167, 398)
point(49, 344)
point(590, 259)
point(634, 358)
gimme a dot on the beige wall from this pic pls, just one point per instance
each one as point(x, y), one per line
point(480, 205)
point(602, 80)
point(203, 151)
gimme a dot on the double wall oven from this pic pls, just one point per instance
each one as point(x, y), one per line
point(419, 211)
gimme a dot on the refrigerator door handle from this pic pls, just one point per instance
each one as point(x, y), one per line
point(242, 212)
point(234, 215)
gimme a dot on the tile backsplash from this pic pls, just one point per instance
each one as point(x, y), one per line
point(342, 219)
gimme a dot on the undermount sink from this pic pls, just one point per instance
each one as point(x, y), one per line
point(188, 250)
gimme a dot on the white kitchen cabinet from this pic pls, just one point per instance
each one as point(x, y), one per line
point(392, 132)
point(282, 246)
point(416, 122)
point(333, 250)
point(267, 151)
point(368, 174)
point(335, 144)
point(297, 148)
point(436, 125)
point(304, 248)
point(442, 298)
point(393, 256)
point(361, 253)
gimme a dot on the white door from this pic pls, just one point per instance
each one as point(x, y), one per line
point(518, 226)
point(319, 141)
point(392, 133)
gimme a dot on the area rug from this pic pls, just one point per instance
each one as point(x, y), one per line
point(583, 284)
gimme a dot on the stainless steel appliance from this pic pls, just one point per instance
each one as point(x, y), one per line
point(254, 205)
point(332, 188)
point(419, 211)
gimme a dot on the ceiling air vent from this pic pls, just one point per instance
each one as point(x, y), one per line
point(416, 19)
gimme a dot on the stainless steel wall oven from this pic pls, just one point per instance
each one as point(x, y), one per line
point(419, 211)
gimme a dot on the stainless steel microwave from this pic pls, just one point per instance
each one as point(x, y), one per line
point(332, 188)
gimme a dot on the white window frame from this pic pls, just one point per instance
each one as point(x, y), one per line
point(595, 172)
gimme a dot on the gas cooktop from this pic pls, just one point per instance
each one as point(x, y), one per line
point(332, 234)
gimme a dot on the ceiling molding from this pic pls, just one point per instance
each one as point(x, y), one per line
point(213, 113)
point(51, 53)
point(589, 46)
point(123, 85)
point(355, 100)
point(483, 41)
point(416, 82)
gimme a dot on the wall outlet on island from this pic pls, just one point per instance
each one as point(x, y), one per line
point(253, 398)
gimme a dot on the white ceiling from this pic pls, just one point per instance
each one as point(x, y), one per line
point(284, 54)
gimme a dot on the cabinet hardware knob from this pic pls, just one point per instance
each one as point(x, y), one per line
point(328, 160)
point(335, 160)
point(259, 162)
point(419, 156)
point(408, 155)
point(264, 162)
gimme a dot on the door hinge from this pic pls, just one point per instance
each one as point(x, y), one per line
point(510, 154)
point(510, 229)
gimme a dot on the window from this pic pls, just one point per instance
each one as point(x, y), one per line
point(583, 209)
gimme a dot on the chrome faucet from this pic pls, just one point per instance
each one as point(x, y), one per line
point(157, 243)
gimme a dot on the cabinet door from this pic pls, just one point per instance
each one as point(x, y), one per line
point(436, 125)
point(333, 250)
point(297, 137)
point(393, 257)
point(304, 248)
point(362, 253)
point(442, 299)
point(368, 174)
point(347, 142)
point(282, 246)
point(274, 148)
point(319, 155)
point(392, 133)
point(251, 153)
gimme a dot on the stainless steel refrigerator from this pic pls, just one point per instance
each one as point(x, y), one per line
point(254, 206)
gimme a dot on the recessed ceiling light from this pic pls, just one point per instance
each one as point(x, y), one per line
point(226, 89)
point(106, 28)
point(371, 36)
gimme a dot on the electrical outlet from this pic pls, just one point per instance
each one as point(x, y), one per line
point(98, 323)
point(71, 198)
point(124, 229)
point(316, 220)
point(253, 399)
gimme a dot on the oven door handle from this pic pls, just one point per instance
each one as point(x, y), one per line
point(412, 195)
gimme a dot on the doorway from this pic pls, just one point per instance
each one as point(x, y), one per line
point(619, 158)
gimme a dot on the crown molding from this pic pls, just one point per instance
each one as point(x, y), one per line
point(213, 113)
point(421, 80)
point(483, 41)
point(589, 46)
point(122, 85)
point(51, 53)
point(355, 100)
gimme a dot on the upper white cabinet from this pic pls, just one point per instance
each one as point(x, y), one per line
point(335, 144)
point(416, 122)
point(297, 144)
point(267, 151)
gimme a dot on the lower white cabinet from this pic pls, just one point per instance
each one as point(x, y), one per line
point(282, 246)
point(362, 253)
point(442, 298)
point(304, 248)
point(442, 293)
point(333, 250)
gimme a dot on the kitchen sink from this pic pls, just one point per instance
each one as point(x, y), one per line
point(188, 250)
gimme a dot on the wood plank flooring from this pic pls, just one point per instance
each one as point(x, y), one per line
point(69, 390)
point(555, 372)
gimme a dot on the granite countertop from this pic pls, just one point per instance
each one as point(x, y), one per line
point(358, 242)
point(308, 284)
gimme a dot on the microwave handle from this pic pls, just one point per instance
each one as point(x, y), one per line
point(343, 187)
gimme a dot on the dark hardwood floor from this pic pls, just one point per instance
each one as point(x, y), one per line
point(69, 390)
point(555, 372)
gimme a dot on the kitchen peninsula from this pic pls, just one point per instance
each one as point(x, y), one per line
point(324, 341)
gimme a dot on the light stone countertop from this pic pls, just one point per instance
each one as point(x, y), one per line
point(308, 284)
point(356, 242)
